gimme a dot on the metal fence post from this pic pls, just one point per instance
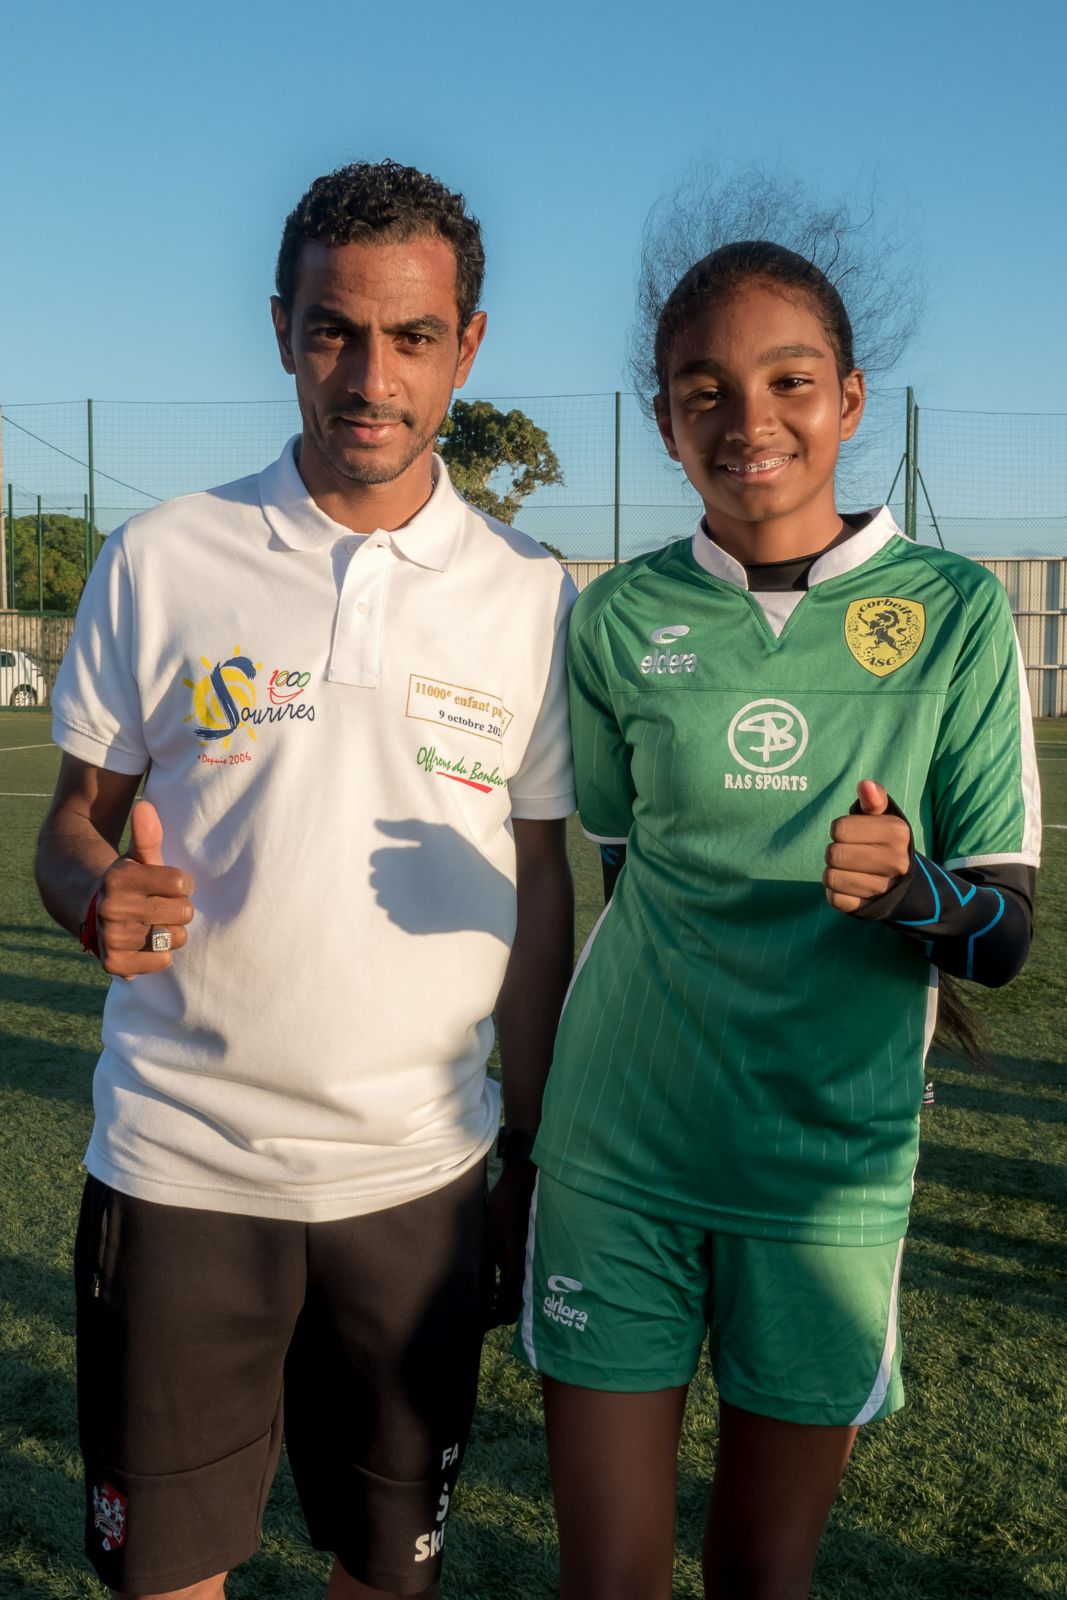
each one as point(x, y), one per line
point(88, 535)
point(911, 463)
point(3, 530)
point(92, 484)
point(40, 559)
point(11, 544)
point(618, 474)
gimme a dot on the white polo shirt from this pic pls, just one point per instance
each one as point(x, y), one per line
point(337, 730)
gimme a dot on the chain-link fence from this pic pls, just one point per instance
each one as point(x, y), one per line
point(983, 484)
point(993, 486)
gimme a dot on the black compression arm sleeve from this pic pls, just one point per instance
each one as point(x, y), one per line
point(974, 923)
point(612, 861)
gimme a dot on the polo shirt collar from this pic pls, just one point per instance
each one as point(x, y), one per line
point(297, 523)
point(840, 559)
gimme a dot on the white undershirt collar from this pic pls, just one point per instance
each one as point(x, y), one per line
point(839, 559)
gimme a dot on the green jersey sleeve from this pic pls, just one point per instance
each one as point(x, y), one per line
point(985, 797)
point(602, 774)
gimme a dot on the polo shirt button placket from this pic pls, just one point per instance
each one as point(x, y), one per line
point(356, 654)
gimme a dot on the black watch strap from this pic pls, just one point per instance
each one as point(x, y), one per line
point(516, 1144)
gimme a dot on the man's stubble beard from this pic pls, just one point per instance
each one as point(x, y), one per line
point(369, 471)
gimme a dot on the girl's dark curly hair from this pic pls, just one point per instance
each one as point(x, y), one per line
point(383, 201)
point(714, 234)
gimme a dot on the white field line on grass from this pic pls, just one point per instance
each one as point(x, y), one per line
point(6, 749)
point(24, 794)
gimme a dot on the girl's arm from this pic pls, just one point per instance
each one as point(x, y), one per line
point(974, 922)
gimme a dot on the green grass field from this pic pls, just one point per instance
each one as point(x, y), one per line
point(961, 1495)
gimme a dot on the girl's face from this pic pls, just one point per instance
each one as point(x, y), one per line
point(755, 413)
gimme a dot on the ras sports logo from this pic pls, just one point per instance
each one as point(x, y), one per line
point(767, 737)
point(772, 731)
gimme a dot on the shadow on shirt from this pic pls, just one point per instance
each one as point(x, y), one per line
point(433, 881)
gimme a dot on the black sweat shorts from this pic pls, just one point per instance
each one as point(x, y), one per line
point(194, 1326)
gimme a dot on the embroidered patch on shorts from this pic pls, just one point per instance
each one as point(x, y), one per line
point(109, 1515)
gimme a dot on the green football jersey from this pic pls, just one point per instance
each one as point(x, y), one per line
point(735, 1052)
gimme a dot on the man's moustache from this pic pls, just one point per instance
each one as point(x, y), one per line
point(371, 418)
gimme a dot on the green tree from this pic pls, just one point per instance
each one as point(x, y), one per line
point(63, 561)
point(478, 442)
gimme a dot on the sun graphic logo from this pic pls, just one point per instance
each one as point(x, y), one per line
point(221, 696)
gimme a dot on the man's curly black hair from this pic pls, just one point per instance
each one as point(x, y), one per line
point(382, 201)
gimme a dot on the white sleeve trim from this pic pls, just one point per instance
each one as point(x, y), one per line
point(547, 808)
point(97, 752)
point(1031, 783)
point(1025, 858)
point(599, 838)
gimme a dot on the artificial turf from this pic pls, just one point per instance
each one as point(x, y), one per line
point(959, 1496)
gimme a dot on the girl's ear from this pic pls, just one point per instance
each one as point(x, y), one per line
point(663, 423)
point(853, 400)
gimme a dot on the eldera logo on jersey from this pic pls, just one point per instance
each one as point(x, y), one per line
point(884, 632)
point(225, 704)
point(767, 737)
point(664, 661)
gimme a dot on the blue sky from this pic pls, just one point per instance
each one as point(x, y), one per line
point(152, 151)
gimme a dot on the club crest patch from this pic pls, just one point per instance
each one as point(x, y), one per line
point(109, 1515)
point(884, 632)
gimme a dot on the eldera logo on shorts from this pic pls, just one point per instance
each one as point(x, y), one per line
point(766, 737)
point(225, 705)
point(555, 1306)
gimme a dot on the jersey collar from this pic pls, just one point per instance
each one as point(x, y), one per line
point(834, 564)
point(297, 523)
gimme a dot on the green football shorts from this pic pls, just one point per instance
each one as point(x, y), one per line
point(621, 1301)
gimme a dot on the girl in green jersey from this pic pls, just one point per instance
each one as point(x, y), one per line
point(777, 744)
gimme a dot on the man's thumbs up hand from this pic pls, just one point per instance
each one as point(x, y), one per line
point(870, 850)
point(146, 835)
point(143, 905)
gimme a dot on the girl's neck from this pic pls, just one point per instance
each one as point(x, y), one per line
point(758, 543)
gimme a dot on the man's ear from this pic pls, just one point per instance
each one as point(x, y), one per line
point(469, 340)
point(283, 333)
point(663, 423)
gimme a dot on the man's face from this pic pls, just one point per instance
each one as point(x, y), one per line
point(373, 340)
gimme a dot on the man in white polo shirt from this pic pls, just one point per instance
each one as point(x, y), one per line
point(346, 689)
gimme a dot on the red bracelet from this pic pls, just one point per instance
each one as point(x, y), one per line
point(87, 930)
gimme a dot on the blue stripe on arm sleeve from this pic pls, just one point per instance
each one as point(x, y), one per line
point(980, 927)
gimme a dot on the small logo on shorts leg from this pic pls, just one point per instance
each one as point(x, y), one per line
point(555, 1307)
point(109, 1515)
point(430, 1544)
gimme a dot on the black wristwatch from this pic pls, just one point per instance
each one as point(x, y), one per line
point(516, 1144)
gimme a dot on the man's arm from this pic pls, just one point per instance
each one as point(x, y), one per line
point(77, 858)
point(527, 1013)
